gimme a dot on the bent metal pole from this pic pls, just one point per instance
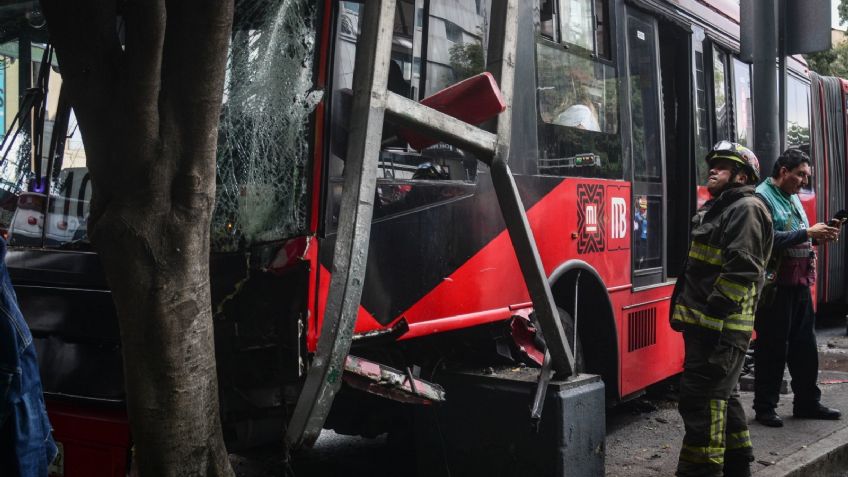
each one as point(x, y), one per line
point(351, 252)
point(371, 102)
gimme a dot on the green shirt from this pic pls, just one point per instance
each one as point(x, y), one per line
point(787, 213)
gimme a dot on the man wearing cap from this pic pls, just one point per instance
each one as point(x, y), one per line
point(713, 306)
point(785, 323)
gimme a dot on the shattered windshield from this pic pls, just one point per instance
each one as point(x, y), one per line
point(263, 145)
point(263, 142)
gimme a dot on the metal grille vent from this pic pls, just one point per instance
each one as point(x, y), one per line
point(642, 326)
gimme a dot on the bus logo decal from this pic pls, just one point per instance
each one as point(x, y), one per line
point(590, 218)
point(618, 219)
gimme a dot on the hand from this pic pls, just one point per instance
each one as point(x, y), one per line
point(822, 232)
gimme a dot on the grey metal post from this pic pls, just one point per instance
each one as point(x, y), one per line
point(781, 75)
point(351, 252)
point(766, 129)
point(518, 226)
point(511, 206)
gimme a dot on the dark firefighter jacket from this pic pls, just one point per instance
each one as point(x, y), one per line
point(717, 293)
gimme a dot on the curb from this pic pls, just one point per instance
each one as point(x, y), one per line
point(826, 457)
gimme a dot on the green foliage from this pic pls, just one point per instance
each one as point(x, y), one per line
point(833, 62)
point(467, 60)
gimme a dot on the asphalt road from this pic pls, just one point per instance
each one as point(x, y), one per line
point(333, 455)
point(336, 455)
point(643, 436)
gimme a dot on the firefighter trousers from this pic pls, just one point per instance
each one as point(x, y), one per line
point(717, 441)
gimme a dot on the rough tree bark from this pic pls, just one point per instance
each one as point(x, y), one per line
point(148, 110)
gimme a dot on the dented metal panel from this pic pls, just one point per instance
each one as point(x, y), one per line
point(391, 383)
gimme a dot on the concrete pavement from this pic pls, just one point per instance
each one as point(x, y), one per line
point(648, 443)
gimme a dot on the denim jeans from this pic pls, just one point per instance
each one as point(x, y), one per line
point(26, 442)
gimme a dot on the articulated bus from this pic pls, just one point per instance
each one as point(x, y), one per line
point(616, 104)
point(829, 147)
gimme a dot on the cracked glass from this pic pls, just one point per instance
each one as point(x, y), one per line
point(264, 136)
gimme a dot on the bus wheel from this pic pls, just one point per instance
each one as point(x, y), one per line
point(568, 327)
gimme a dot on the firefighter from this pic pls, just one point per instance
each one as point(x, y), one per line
point(713, 306)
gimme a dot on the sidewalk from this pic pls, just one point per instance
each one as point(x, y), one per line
point(648, 443)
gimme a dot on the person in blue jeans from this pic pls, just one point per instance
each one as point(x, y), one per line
point(26, 442)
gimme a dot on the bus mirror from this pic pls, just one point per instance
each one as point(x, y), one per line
point(473, 100)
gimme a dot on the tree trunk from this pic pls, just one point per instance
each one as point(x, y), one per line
point(148, 108)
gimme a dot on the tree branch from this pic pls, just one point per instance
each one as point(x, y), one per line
point(89, 52)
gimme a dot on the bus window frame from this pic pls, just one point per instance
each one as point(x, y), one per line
point(591, 32)
point(734, 62)
point(554, 36)
point(793, 78)
point(610, 60)
point(609, 36)
point(546, 42)
point(729, 102)
point(700, 45)
point(330, 182)
point(650, 276)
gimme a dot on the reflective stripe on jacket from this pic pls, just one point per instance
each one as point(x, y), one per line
point(718, 290)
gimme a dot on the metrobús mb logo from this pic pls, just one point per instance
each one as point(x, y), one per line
point(590, 218)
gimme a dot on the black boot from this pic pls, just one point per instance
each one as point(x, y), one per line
point(770, 419)
point(817, 412)
point(737, 468)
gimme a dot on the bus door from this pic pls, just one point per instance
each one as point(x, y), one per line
point(646, 149)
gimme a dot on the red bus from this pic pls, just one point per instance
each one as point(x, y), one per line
point(615, 106)
point(829, 150)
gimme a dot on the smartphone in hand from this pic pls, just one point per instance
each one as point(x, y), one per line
point(840, 218)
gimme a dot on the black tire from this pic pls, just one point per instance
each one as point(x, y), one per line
point(568, 327)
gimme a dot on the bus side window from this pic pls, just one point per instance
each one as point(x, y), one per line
point(70, 195)
point(577, 23)
point(578, 114)
point(744, 104)
point(647, 232)
point(581, 23)
point(702, 133)
point(63, 223)
point(797, 112)
point(68, 208)
point(431, 51)
point(798, 120)
point(548, 19)
point(721, 99)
